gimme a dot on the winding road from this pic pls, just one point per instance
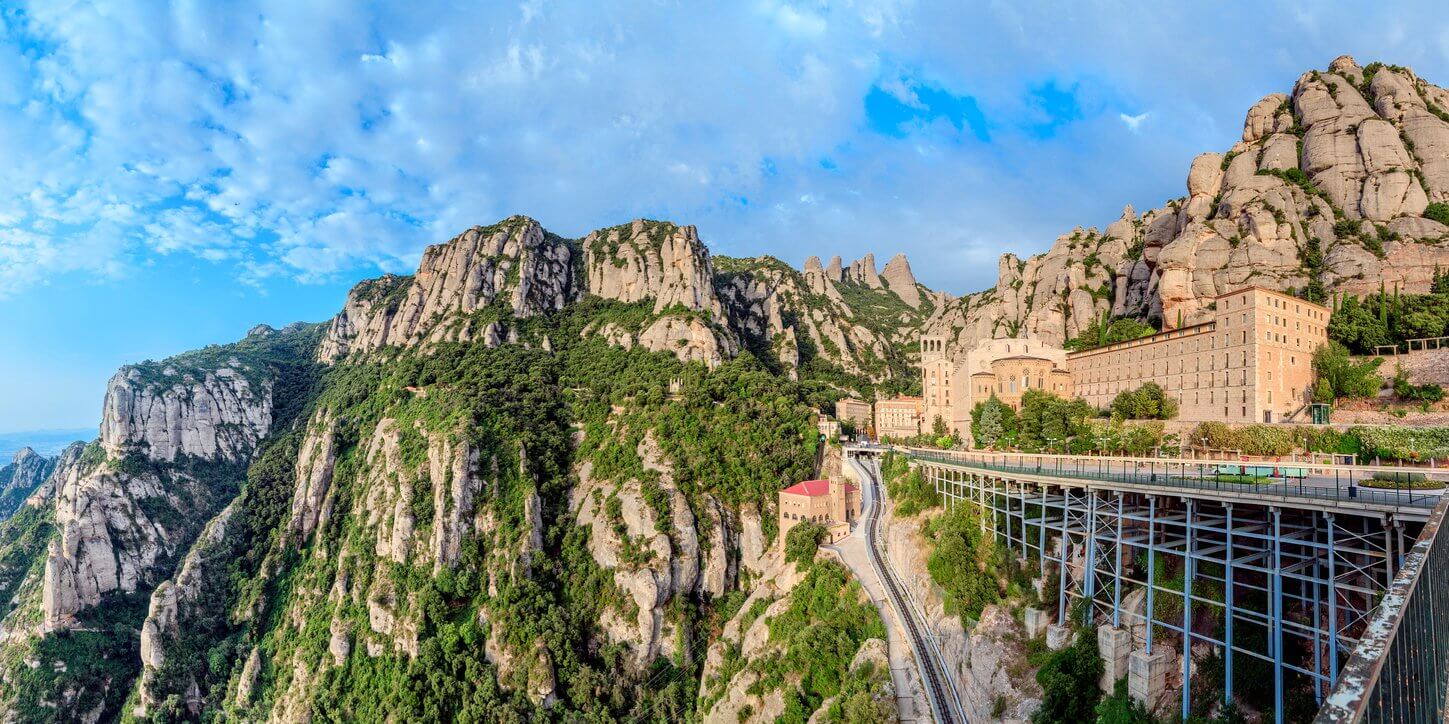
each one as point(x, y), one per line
point(940, 688)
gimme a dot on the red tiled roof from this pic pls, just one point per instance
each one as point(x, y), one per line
point(814, 488)
point(810, 488)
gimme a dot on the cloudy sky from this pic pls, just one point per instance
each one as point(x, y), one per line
point(172, 173)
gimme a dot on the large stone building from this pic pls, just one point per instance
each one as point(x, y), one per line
point(833, 505)
point(1252, 362)
point(856, 412)
point(952, 385)
point(899, 417)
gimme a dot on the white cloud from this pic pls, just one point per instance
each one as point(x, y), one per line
point(1134, 122)
point(325, 140)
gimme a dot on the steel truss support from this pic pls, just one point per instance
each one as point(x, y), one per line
point(1287, 586)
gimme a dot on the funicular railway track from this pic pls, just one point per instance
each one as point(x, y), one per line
point(934, 677)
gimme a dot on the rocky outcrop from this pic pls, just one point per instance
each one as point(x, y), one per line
point(43, 496)
point(170, 432)
point(651, 260)
point(658, 551)
point(170, 608)
point(862, 271)
point(1351, 144)
point(26, 472)
point(166, 411)
point(899, 279)
point(514, 263)
point(799, 316)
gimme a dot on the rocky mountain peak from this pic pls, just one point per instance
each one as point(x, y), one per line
point(1326, 191)
point(651, 260)
point(513, 263)
point(26, 472)
point(898, 277)
point(833, 270)
point(862, 271)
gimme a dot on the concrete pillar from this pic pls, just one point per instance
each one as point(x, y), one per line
point(1115, 645)
point(1147, 676)
point(1058, 637)
point(1035, 620)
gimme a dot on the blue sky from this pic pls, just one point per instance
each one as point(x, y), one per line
point(173, 173)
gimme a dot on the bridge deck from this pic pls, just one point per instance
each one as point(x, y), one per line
point(1327, 488)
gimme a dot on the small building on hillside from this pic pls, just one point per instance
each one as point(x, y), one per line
point(833, 505)
point(898, 418)
point(828, 426)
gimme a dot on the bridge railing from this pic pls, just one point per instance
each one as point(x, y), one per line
point(1281, 479)
point(1399, 671)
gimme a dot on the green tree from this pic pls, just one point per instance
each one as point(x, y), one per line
point(802, 541)
point(1345, 377)
point(992, 422)
point(961, 562)
point(1048, 421)
point(1105, 330)
point(1148, 402)
point(1069, 682)
point(1121, 708)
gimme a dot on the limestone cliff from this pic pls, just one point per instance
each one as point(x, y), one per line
point(481, 285)
point(809, 320)
point(25, 473)
point(458, 291)
point(1326, 191)
point(115, 516)
point(127, 508)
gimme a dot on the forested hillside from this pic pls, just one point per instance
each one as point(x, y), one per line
point(533, 481)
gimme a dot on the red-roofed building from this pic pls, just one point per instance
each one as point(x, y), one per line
point(833, 505)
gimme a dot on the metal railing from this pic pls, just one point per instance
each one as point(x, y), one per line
point(1400, 670)
point(1282, 480)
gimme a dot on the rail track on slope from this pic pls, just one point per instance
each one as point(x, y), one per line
point(940, 690)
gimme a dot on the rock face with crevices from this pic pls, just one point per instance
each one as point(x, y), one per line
point(117, 516)
point(1327, 191)
point(172, 607)
point(123, 514)
point(27, 471)
point(514, 264)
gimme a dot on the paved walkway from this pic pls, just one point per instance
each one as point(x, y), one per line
point(1329, 485)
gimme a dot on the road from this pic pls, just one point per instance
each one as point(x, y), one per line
point(935, 677)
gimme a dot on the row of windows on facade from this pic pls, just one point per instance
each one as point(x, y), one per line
point(1127, 372)
point(1109, 360)
point(1212, 396)
point(849, 515)
point(1276, 303)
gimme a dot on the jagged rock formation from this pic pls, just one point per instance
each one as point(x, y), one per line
point(804, 316)
point(514, 263)
point(172, 603)
point(116, 516)
point(25, 473)
point(655, 555)
point(44, 494)
point(477, 286)
point(897, 276)
point(113, 516)
point(1325, 192)
point(215, 415)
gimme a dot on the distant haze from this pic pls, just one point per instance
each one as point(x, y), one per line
point(45, 442)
